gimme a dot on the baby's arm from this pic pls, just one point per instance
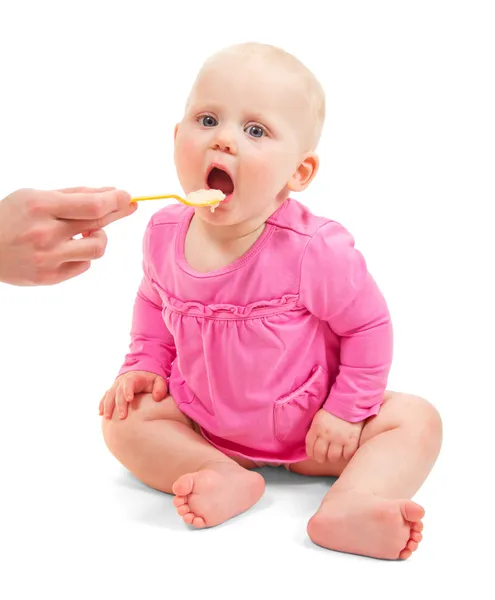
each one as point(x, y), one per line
point(337, 287)
point(152, 348)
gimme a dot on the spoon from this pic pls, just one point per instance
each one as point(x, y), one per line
point(199, 198)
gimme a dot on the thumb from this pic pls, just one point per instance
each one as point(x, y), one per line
point(159, 389)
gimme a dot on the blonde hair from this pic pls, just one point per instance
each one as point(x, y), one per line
point(280, 57)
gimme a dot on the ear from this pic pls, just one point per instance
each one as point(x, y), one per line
point(304, 173)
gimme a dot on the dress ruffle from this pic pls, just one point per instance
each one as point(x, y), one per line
point(253, 310)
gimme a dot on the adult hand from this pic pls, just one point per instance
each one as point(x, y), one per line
point(37, 230)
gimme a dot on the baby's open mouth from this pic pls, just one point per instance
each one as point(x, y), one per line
point(220, 180)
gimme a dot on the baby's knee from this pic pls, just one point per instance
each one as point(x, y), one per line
point(427, 413)
point(422, 417)
point(433, 424)
point(123, 435)
point(119, 433)
point(412, 414)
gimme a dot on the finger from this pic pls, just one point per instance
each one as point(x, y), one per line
point(78, 226)
point(85, 190)
point(112, 217)
point(334, 452)
point(349, 450)
point(138, 383)
point(128, 389)
point(141, 383)
point(121, 403)
point(109, 404)
point(320, 451)
point(87, 248)
point(89, 206)
point(310, 443)
point(159, 389)
point(67, 271)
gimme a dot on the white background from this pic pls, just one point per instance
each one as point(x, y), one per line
point(90, 93)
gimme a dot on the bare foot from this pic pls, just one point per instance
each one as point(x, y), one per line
point(216, 493)
point(362, 523)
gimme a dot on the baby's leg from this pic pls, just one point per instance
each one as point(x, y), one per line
point(158, 444)
point(368, 510)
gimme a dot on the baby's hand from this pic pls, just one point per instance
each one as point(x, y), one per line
point(331, 438)
point(126, 386)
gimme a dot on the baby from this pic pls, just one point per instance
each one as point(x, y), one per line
point(259, 336)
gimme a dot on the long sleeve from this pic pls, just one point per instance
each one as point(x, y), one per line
point(152, 346)
point(337, 288)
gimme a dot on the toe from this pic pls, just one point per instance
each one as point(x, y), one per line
point(183, 510)
point(417, 526)
point(416, 536)
point(405, 554)
point(411, 545)
point(183, 486)
point(199, 522)
point(188, 518)
point(411, 511)
point(179, 501)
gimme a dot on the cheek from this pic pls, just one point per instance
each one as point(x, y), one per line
point(187, 152)
point(269, 171)
point(191, 146)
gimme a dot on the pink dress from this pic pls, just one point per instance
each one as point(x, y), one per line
point(252, 351)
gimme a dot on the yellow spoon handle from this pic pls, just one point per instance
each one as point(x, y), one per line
point(141, 198)
point(179, 198)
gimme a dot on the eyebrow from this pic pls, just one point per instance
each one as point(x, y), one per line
point(205, 105)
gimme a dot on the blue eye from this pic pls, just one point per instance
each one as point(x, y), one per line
point(255, 131)
point(208, 121)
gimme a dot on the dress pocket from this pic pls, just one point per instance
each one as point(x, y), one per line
point(180, 392)
point(294, 412)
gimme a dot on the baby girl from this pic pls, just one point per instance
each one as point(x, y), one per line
point(259, 337)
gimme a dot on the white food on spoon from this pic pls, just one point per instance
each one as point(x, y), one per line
point(206, 198)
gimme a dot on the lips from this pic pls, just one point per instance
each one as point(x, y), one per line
point(219, 179)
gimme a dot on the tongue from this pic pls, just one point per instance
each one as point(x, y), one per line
point(220, 180)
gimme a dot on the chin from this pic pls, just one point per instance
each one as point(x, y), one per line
point(216, 218)
point(224, 217)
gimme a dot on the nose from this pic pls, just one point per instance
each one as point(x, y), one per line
point(224, 140)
